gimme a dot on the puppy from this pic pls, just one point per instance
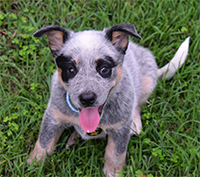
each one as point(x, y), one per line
point(102, 79)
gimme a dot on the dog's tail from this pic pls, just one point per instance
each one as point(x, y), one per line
point(177, 61)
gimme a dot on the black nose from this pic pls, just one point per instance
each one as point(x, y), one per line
point(88, 98)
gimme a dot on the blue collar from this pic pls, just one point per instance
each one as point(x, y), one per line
point(69, 104)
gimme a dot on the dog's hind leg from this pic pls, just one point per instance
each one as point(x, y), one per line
point(72, 139)
point(136, 123)
point(148, 85)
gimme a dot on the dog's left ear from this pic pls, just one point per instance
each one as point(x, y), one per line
point(118, 35)
point(57, 36)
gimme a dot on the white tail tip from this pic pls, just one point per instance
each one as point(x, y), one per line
point(177, 61)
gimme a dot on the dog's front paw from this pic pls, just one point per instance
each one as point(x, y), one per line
point(38, 152)
point(114, 161)
point(112, 172)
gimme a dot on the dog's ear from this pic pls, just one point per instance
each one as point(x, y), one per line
point(118, 35)
point(57, 36)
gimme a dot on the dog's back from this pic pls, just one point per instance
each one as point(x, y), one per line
point(142, 69)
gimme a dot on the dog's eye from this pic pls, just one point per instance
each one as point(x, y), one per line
point(104, 66)
point(71, 71)
point(105, 71)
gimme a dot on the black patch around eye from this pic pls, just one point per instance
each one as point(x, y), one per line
point(68, 67)
point(61, 60)
point(110, 60)
point(104, 66)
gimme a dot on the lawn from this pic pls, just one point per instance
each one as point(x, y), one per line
point(169, 143)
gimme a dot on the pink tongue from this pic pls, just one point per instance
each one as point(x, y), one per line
point(89, 119)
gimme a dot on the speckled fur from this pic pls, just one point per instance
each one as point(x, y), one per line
point(121, 94)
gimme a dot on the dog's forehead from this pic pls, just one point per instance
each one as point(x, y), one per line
point(91, 44)
point(89, 39)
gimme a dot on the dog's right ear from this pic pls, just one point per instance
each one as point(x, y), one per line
point(57, 36)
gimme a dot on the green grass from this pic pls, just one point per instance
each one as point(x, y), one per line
point(169, 143)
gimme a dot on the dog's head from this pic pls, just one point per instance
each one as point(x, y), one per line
point(89, 65)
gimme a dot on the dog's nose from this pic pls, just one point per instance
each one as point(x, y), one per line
point(88, 98)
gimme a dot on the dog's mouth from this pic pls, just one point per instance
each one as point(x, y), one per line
point(89, 118)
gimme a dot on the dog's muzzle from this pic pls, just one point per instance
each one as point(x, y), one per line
point(89, 117)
